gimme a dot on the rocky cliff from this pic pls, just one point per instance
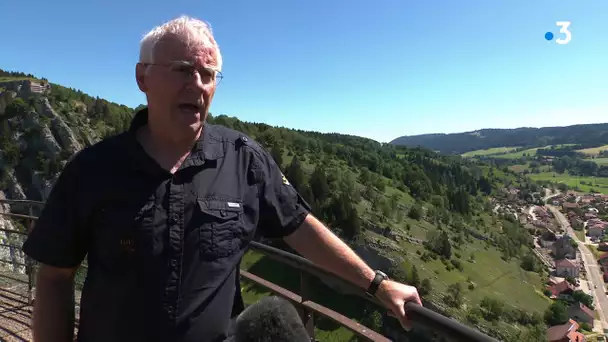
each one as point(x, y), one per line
point(41, 126)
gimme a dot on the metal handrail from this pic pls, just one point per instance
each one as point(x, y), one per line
point(419, 315)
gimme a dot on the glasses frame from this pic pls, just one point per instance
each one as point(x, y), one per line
point(217, 75)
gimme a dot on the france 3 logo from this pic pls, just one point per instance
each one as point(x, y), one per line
point(564, 29)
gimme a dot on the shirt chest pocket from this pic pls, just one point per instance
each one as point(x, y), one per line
point(125, 234)
point(221, 230)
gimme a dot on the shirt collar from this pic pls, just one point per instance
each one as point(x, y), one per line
point(208, 147)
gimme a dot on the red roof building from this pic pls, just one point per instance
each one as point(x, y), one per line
point(565, 333)
point(561, 288)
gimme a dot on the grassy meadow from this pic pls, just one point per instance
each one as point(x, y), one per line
point(584, 184)
point(499, 152)
point(594, 151)
point(489, 151)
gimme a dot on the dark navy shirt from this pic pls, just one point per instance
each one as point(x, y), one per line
point(163, 249)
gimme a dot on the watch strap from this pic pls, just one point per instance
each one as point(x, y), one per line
point(373, 287)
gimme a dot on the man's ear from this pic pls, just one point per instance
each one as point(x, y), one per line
point(140, 76)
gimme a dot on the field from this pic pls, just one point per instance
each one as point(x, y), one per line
point(600, 161)
point(491, 275)
point(520, 154)
point(594, 151)
point(499, 152)
point(519, 168)
point(489, 151)
point(584, 184)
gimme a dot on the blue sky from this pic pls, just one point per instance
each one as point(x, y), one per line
point(379, 69)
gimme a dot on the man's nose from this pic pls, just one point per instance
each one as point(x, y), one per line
point(196, 81)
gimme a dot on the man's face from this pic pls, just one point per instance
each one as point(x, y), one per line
point(179, 86)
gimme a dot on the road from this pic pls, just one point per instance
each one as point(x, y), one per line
point(591, 267)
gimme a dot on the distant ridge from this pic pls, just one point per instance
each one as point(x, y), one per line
point(587, 135)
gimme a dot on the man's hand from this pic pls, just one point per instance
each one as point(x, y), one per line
point(317, 243)
point(394, 295)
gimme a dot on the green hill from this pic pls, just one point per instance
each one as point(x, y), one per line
point(424, 217)
point(588, 136)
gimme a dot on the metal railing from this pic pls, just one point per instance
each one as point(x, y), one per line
point(308, 309)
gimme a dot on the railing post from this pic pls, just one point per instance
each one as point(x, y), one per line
point(29, 267)
point(306, 315)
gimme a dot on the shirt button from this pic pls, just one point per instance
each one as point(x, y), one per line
point(244, 139)
point(173, 262)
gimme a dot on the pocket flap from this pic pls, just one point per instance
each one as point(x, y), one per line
point(214, 204)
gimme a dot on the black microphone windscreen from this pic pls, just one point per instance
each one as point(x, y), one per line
point(270, 319)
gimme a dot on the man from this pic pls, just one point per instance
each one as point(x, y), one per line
point(165, 211)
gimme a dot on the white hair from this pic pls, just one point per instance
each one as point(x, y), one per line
point(193, 32)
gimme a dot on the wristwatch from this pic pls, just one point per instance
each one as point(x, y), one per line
point(373, 287)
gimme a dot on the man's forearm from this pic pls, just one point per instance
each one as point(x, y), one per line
point(318, 244)
point(53, 317)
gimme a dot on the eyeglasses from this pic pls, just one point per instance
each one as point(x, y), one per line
point(184, 70)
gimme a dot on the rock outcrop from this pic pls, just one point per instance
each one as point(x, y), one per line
point(65, 136)
point(11, 256)
point(35, 142)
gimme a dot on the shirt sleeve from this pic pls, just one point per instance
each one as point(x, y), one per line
point(282, 209)
point(58, 237)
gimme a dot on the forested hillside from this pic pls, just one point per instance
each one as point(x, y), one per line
point(590, 135)
point(424, 217)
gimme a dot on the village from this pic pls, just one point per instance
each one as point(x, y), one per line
point(573, 241)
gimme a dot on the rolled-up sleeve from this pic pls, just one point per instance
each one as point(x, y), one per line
point(58, 237)
point(282, 209)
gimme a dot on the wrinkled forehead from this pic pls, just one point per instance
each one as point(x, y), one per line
point(173, 48)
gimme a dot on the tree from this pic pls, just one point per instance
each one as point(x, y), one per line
point(425, 288)
point(295, 174)
point(343, 214)
point(372, 318)
point(536, 333)
point(556, 314)
point(440, 244)
point(318, 184)
point(17, 107)
point(493, 308)
point(277, 154)
point(437, 201)
point(585, 299)
point(415, 212)
point(530, 263)
point(453, 297)
point(415, 278)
